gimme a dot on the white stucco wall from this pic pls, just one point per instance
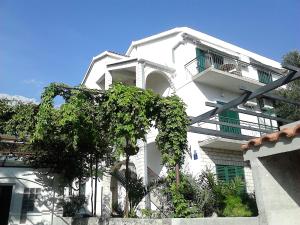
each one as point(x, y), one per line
point(21, 178)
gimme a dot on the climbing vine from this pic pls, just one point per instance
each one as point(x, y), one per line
point(91, 127)
point(132, 112)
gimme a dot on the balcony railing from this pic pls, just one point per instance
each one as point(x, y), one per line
point(238, 126)
point(231, 65)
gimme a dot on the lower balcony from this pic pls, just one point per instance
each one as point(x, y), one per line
point(222, 143)
point(227, 131)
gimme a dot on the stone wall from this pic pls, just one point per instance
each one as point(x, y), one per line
point(177, 221)
point(208, 158)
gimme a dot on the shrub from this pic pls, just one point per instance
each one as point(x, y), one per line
point(206, 196)
point(72, 205)
point(235, 207)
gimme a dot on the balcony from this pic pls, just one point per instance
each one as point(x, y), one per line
point(228, 73)
point(222, 143)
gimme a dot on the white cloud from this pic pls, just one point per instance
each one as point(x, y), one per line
point(18, 98)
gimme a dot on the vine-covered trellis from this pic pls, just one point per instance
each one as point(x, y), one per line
point(93, 126)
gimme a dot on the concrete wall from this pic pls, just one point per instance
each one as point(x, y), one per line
point(277, 185)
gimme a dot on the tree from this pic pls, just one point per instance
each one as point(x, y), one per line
point(292, 90)
point(130, 111)
point(17, 118)
point(70, 140)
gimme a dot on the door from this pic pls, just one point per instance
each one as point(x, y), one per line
point(5, 199)
point(200, 60)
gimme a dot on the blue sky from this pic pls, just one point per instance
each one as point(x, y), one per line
point(54, 41)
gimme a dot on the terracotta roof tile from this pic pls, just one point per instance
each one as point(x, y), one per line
point(273, 137)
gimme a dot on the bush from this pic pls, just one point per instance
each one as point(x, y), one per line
point(235, 207)
point(206, 196)
point(72, 206)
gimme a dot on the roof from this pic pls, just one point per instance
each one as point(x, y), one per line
point(100, 56)
point(289, 132)
point(202, 37)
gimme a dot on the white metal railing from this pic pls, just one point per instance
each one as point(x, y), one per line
point(237, 126)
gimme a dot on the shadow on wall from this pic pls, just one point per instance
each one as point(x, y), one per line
point(158, 82)
point(154, 161)
point(218, 156)
point(285, 169)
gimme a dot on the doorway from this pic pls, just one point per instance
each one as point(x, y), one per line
point(5, 199)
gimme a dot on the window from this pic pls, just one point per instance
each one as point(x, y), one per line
point(264, 77)
point(232, 117)
point(227, 173)
point(29, 198)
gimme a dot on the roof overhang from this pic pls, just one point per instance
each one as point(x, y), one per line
point(99, 57)
point(132, 62)
point(206, 39)
point(122, 64)
point(222, 143)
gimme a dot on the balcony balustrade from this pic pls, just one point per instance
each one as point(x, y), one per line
point(228, 72)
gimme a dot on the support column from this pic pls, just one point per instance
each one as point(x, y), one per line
point(106, 204)
point(257, 176)
point(108, 79)
point(140, 75)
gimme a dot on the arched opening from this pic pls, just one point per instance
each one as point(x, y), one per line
point(158, 82)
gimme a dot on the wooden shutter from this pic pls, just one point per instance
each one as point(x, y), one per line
point(229, 172)
point(264, 77)
point(222, 172)
point(200, 55)
point(232, 117)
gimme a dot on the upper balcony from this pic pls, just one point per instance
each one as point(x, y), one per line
point(229, 73)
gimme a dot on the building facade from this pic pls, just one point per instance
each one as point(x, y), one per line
point(204, 72)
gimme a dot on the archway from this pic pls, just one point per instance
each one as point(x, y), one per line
point(159, 83)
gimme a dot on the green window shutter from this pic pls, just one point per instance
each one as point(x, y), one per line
point(200, 55)
point(227, 173)
point(222, 172)
point(239, 171)
point(264, 77)
point(232, 117)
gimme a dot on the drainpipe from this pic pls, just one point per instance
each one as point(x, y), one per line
point(180, 42)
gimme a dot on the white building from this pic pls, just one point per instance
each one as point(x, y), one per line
point(202, 71)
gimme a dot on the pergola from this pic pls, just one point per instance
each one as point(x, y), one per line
point(262, 92)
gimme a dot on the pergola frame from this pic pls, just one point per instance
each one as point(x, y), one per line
point(294, 73)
